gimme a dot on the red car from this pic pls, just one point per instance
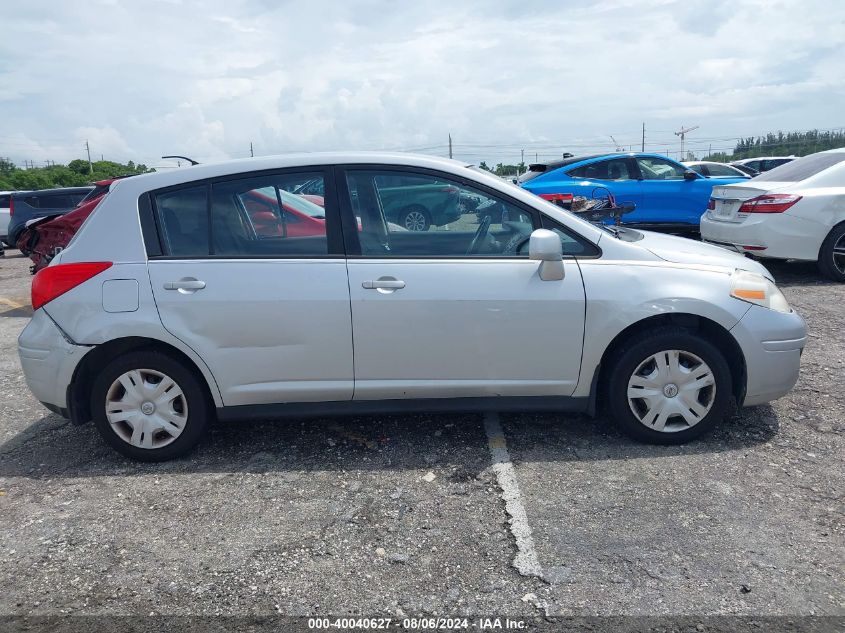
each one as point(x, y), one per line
point(304, 216)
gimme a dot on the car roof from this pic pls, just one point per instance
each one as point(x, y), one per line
point(748, 160)
point(47, 192)
point(556, 164)
point(160, 179)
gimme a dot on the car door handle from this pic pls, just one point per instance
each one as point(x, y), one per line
point(384, 283)
point(187, 284)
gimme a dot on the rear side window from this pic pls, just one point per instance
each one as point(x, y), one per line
point(616, 169)
point(801, 168)
point(257, 216)
point(722, 170)
point(183, 219)
point(262, 217)
point(58, 201)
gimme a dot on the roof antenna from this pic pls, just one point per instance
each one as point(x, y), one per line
point(190, 160)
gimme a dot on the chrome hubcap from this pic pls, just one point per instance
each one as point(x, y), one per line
point(671, 391)
point(839, 254)
point(146, 408)
point(415, 221)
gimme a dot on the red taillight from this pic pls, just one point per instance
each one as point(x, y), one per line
point(557, 197)
point(11, 206)
point(54, 281)
point(769, 203)
point(711, 205)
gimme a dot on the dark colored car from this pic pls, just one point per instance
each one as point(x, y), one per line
point(32, 205)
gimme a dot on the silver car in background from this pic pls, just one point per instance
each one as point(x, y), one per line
point(199, 293)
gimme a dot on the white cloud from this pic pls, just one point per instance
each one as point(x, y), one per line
point(206, 79)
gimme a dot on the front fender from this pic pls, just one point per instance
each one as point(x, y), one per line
point(621, 294)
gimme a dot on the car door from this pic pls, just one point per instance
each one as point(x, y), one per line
point(265, 305)
point(456, 310)
point(669, 197)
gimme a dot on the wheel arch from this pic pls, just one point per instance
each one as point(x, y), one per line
point(79, 389)
point(709, 329)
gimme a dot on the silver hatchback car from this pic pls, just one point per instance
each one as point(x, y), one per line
point(217, 291)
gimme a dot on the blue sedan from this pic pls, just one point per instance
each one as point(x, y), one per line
point(665, 192)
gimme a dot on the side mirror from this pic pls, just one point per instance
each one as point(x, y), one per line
point(690, 175)
point(545, 246)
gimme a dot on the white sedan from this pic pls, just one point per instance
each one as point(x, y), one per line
point(795, 211)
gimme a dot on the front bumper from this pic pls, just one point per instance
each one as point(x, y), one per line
point(48, 360)
point(781, 236)
point(772, 343)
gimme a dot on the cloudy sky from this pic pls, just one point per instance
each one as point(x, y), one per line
point(142, 78)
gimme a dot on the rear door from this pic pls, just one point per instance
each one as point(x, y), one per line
point(457, 310)
point(265, 304)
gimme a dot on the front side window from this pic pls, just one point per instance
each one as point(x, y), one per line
point(615, 169)
point(402, 214)
point(660, 169)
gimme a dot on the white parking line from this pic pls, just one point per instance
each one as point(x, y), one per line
point(525, 561)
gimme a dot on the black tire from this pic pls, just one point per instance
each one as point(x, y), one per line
point(415, 211)
point(632, 355)
point(827, 263)
point(193, 390)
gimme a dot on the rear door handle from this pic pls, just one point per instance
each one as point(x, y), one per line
point(185, 285)
point(389, 284)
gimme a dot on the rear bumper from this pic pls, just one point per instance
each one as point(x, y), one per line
point(772, 343)
point(48, 360)
point(781, 236)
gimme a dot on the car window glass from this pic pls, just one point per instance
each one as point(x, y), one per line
point(4, 201)
point(572, 244)
point(261, 216)
point(653, 168)
point(616, 169)
point(722, 170)
point(407, 215)
point(57, 201)
point(183, 218)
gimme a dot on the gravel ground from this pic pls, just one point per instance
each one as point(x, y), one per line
point(402, 515)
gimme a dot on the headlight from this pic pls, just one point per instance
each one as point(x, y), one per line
point(756, 289)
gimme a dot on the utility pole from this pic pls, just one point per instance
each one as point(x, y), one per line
point(450, 145)
point(251, 153)
point(682, 133)
point(522, 158)
point(642, 149)
point(536, 158)
point(88, 149)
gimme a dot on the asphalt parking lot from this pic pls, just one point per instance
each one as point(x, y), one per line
point(403, 515)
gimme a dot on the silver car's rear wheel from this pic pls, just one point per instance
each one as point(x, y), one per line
point(671, 391)
point(146, 408)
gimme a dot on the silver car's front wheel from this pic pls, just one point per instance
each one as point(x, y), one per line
point(669, 385)
point(671, 391)
point(146, 408)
